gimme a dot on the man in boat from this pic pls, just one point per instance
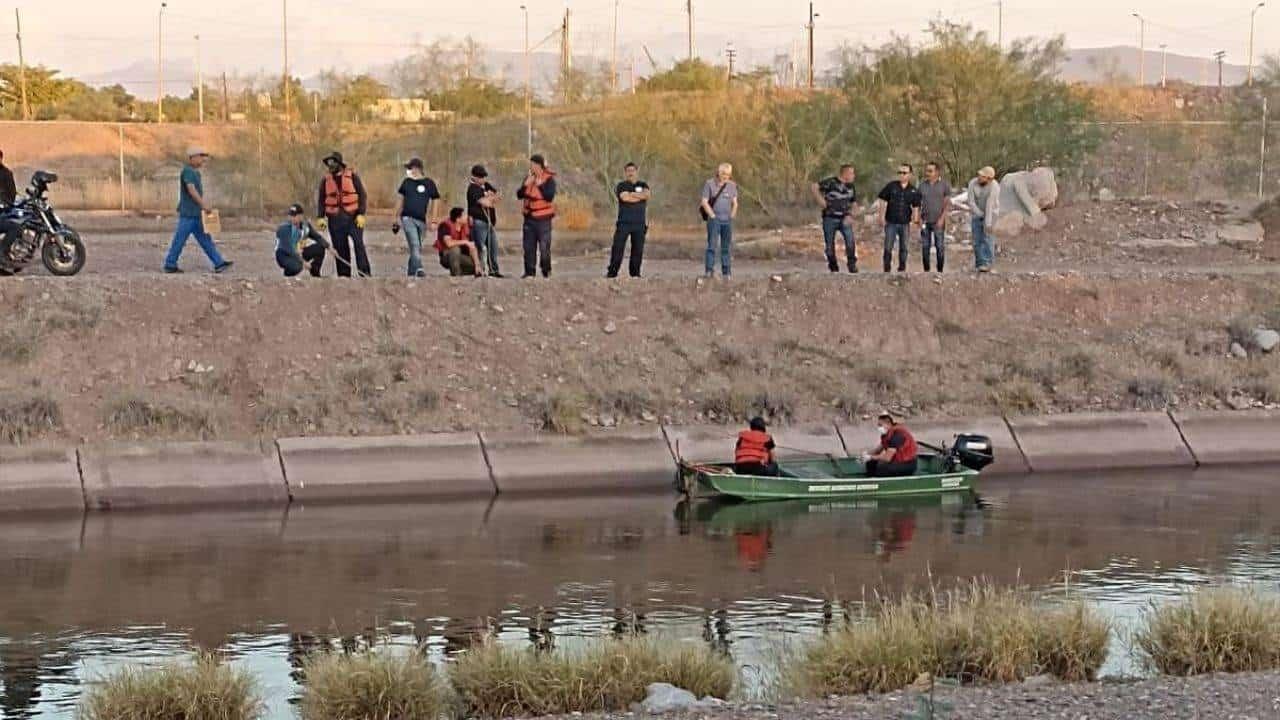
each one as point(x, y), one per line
point(896, 454)
point(754, 452)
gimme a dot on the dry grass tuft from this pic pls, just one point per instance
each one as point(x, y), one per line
point(373, 686)
point(19, 342)
point(203, 689)
point(1218, 630)
point(362, 380)
point(28, 416)
point(1150, 391)
point(1018, 396)
point(559, 412)
point(496, 681)
point(143, 414)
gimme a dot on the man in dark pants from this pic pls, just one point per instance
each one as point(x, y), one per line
point(482, 203)
point(342, 202)
point(633, 197)
point(538, 193)
point(896, 456)
point(901, 202)
point(836, 196)
point(298, 245)
point(8, 189)
point(935, 203)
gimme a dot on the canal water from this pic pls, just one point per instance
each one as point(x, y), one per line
point(80, 596)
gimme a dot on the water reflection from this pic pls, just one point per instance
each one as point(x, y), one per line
point(266, 588)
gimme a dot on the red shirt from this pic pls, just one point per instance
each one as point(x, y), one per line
point(447, 228)
point(900, 438)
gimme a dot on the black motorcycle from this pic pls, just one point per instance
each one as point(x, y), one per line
point(39, 230)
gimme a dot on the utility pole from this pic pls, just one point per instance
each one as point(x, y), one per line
point(1000, 24)
point(1164, 65)
point(1249, 75)
point(689, 12)
point(528, 84)
point(226, 100)
point(22, 67)
point(613, 59)
point(731, 54)
point(1142, 49)
point(160, 64)
point(811, 17)
point(1262, 156)
point(566, 57)
point(199, 83)
point(1219, 56)
point(288, 89)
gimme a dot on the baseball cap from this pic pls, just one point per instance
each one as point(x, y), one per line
point(295, 209)
point(415, 162)
point(196, 151)
point(987, 172)
point(479, 171)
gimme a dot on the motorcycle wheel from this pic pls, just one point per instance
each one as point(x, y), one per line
point(63, 256)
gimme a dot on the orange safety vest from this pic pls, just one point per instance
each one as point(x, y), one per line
point(342, 197)
point(752, 447)
point(535, 206)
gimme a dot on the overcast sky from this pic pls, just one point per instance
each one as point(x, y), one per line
point(85, 37)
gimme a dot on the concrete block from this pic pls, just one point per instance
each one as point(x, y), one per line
point(1232, 438)
point(143, 475)
point(1101, 441)
point(446, 465)
point(715, 443)
point(617, 461)
point(39, 478)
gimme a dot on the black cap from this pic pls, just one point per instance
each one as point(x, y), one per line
point(757, 424)
point(295, 209)
point(479, 171)
point(537, 159)
point(334, 156)
point(415, 162)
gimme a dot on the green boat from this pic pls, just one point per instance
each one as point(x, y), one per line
point(941, 471)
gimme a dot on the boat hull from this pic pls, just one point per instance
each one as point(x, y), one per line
point(829, 478)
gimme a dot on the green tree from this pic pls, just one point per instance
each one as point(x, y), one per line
point(687, 76)
point(961, 100)
point(352, 95)
point(44, 88)
point(477, 98)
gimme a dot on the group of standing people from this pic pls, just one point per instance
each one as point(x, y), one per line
point(466, 239)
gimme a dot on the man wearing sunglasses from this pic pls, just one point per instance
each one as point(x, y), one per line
point(901, 200)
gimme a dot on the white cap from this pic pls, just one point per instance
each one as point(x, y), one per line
point(196, 150)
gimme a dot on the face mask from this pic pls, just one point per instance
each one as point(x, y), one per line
point(883, 430)
point(408, 173)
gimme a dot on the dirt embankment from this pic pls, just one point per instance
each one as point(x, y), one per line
point(211, 356)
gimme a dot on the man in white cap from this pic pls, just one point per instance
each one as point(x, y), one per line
point(191, 206)
point(984, 205)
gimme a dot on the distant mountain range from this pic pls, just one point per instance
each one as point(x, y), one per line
point(1088, 65)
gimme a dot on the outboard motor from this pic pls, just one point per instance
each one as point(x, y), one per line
point(973, 451)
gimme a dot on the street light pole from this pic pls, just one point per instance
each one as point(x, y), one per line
point(160, 64)
point(199, 83)
point(613, 59)
point(1252, 16)
point(811, 17)
point(1164, 65)
point(288, 89)
point(1000, 24)
point(1142, 49)
point(528, 84)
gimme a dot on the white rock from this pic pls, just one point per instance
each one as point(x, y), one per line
point(1105, 195)
point(665, 698)
point(578, 317)
point(610, 328)
point(1238, 351)
point(1266, 340)
point(1250, 233)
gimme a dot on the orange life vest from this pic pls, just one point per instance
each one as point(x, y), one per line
point(535, 206)
point(753, 447)
point(340, 193)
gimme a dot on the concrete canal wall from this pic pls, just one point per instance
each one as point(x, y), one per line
point(470, 465)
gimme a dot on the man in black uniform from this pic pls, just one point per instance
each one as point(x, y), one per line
point(633, 197)
point(8, 190)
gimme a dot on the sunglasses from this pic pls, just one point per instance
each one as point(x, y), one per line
point(904, 172)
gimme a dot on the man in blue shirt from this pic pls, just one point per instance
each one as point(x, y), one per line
point(299, 245)
point(191, 206)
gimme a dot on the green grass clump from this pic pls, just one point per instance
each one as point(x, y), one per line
point(142, 414)
point(202, 689)
point(495, 681)
point(975, 634)
point(19, 342)
point(1219, 630)
point(559, 412)
point(373, 686)
point(26, 417)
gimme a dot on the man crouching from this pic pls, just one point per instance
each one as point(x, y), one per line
point(299, 245)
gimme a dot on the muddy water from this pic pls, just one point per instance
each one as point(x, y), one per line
point(81, 595)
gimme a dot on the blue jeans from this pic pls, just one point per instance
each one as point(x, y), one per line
point(895, 232)
point(414, 229)
point(722, 229)
point(486, 240)
point(984, 245)
point(831, 226)
point(931, 236)
point(188, 226)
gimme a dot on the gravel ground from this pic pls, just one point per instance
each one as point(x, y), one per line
point(1251, 696)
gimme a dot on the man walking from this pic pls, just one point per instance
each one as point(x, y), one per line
point(191, 206)
point(538, 193)
point(836, 196)
point(482, 201)
point(8, 189)
point(984, 206)
point(935, 203)
point(413, 207)
point(298, 245)
point(342, 202)
point(633, 199)
point(901, 202)
point(719, 207)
